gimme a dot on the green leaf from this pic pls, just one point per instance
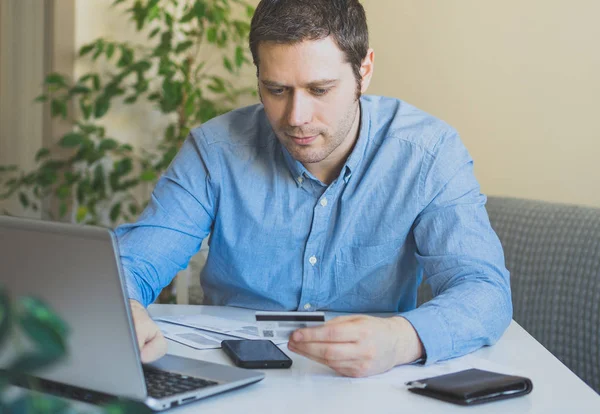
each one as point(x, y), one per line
point(154, 96)
point(70, 140)
point(58, 108)
point(41, 98)
point(169, 20)
point(101, 106)
point(79, 89)
point(128, 184)
point(115, 212)
point(249, 11)
point(5, 316)
point(227, 64)
point(70, 178)
point(96, 82)
point(43, 326)
point(217, 85)
point(141, 86)
point(38, 404)
point(42, 152)
point(55, 79)
point(31, 361)
point(222, 40)
point(110, 50)
point(46, 177)
point(24, 200)
point(188, 16)
point(63, 192)
point(172, 95)
point(170, 132)
point(62, 210)
point(242, 28)
point(148, 176)
point(211, 34)
point(86, 109)
point(200, 10)
point(98, 182)
point(99, 48)
point(82, 212)
point(126, 57)
point(4, 168)
point(126, 407)
point(141, 66)
point(133, 209)
point(130, 99)
point(139, 14)
point(153, 10)
point(108, 144)
point(165, 41)
point(183, 46)
point(123, 167)
point(239, 56)
point(85, 49)
point(154, 33)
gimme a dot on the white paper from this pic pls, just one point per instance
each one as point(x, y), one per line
point(192, 337)
point(211, 327)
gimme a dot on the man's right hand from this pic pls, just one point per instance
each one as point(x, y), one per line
point(151, 341)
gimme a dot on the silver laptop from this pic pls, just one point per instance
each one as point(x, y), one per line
point(76, 270)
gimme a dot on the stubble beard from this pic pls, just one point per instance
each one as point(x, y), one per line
point(310, 155)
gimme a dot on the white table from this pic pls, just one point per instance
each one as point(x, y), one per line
point(309, 387)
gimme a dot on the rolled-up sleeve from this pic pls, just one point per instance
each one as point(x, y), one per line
point(461, 257)
point(171, 229)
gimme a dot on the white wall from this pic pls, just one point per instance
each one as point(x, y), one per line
point(520, 80)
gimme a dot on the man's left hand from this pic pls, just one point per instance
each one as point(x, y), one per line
point(359, 345)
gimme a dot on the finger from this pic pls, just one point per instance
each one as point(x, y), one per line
point(154, 349)
point(344, 331)
point(349, 368)
point(327, 353)
point(341, 319)
point(354, 371)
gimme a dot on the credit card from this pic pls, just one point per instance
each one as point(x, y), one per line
point(280, 325)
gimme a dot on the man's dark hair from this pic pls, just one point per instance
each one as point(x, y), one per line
point(293, 21)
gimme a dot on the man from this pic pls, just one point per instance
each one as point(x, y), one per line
point(321, 198)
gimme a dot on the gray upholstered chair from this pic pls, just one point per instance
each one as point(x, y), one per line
point(553, 254)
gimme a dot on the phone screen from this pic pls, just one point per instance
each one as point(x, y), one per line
point(256, 353)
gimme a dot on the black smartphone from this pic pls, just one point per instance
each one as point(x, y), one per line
point(255, 353)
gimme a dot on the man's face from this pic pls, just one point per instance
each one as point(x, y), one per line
point(309, 94)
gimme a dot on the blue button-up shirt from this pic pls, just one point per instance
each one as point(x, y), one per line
point(406, 203)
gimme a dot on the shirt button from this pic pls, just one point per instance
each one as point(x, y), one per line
point(324, 201)
point(312, 260)
point(300, 179)
point(307, 306)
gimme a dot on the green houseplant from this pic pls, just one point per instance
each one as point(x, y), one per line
point(47, 333)
point(188, 69)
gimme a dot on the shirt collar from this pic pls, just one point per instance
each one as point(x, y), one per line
point(300, 173)
point(360, 146)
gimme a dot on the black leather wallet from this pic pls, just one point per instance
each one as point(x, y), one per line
point(472, 386)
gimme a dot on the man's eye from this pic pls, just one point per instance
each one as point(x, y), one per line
point(319, 91)
point(276, 91)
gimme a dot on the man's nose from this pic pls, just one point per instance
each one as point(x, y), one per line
point(300, 111)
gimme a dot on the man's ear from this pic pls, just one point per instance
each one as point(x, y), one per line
point(366, 70)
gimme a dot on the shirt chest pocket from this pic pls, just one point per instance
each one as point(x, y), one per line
point(366, 271)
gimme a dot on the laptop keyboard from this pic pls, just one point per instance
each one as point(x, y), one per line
point(161, 384)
